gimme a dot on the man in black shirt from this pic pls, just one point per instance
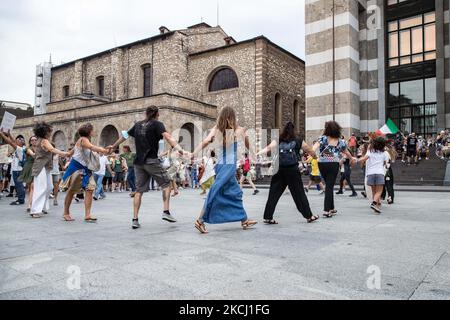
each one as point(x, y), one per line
point(411, 148)
point(147, 134)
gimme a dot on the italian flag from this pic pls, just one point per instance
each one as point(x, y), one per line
point(388, 128)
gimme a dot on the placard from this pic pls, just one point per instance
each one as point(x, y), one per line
point(8, 122)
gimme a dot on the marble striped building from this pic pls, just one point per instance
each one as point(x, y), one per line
point(391, 61)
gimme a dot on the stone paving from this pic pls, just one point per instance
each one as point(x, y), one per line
point(409, 245)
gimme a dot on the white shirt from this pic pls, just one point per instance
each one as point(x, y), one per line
point(55, 167)
point(209, 169)
point(375, 163)
point(103, 161)
point(17, 157)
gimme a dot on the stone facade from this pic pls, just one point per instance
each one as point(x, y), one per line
point(182, 62)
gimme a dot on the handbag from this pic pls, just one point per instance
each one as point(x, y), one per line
point(92, 161)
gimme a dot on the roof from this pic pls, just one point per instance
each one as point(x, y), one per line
point(146, 40)
point(198, 25)
point(248, 41)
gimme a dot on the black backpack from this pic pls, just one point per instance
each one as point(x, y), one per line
point(288, 154)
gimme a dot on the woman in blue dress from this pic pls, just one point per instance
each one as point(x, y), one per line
point(224, 201)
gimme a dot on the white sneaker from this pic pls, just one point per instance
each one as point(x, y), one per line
point(168, 217)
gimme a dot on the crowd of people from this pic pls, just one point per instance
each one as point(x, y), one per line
point(39, 171)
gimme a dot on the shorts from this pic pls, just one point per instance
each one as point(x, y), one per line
point(411, 153)
point(375, 180)
point(107, 180)
point(315, 179)
point(118, 177)
point(56, 178)
point(153, 169)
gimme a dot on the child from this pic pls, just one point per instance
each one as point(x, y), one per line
point(376, 160)
point(314, 177)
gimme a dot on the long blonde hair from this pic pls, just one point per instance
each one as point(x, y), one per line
point(227, 123)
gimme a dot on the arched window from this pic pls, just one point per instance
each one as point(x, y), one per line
point(297, 115)
point(278, 112)
point(101, 86)
point(60, 140)
point(223, 79)
point(147, 80)
point(109, 135)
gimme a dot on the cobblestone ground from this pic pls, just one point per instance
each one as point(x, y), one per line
point(407, 246)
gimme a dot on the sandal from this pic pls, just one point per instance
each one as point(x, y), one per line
point(90, 220)
point(247, 224)
point(201, 227)
point(35, 215)
point(313, 219)
point(327, 215)
point(270, 221)
point(68, 218)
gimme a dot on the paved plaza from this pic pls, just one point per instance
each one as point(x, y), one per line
point(408, 246)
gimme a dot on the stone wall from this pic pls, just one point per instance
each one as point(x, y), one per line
point(285, 76)
point(241, 59)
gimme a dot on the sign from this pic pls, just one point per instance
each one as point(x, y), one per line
point(8, 122)
point(4, 151)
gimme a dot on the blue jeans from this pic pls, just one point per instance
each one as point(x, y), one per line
point(131, 179)
point(19, 186)
point(99, 188)
point(194, 180)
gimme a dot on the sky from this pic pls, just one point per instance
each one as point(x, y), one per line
point(31, 30)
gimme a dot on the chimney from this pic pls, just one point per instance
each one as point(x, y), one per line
point(163, 30)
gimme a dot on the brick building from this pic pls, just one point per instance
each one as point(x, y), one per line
point(392, 60)
point(189, 74)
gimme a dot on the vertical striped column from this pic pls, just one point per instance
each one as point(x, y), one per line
point(371, 45)
point(319, 64)
point(447, 60)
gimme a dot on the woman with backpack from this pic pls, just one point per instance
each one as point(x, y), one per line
point(331, 148)
point(288, 174)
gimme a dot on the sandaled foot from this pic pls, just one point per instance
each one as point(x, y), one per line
point(201, 227)
point(272, 221)
point(68, 218)
point(90, 219)
point(247, 224)
point(35, 215)
point(327, 215)
point(313, 218)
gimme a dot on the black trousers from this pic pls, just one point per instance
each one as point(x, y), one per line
point(329, 172)
point(287, 177)
point(345, 176)
point(388, 185)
